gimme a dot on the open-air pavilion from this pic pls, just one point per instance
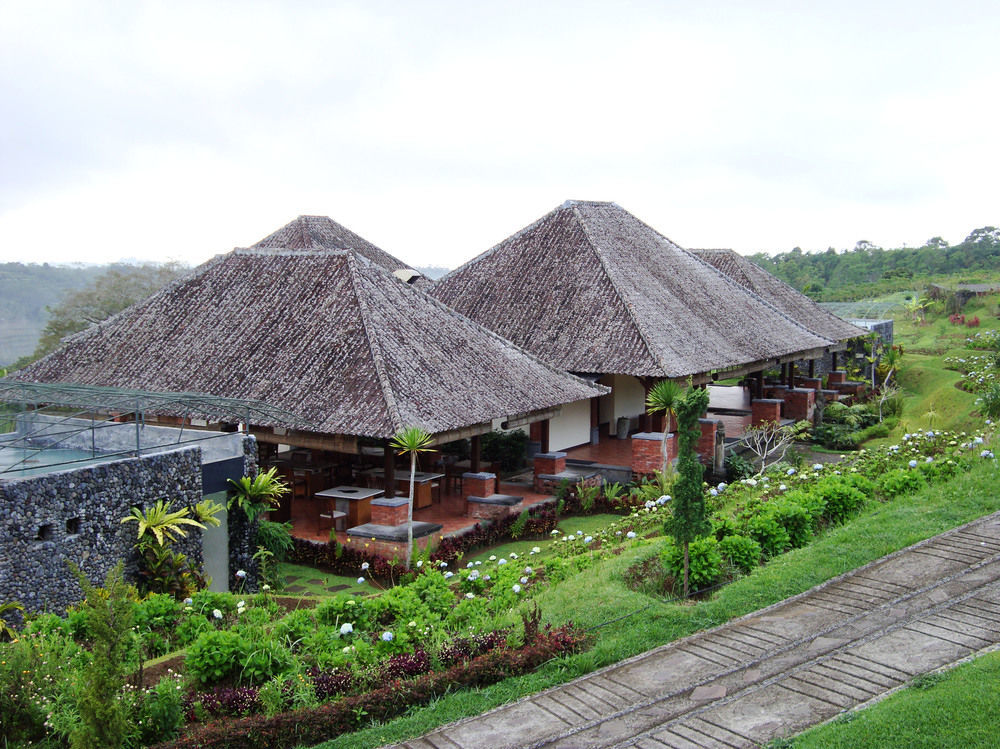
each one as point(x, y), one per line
point(347, 353)
point(592, 289)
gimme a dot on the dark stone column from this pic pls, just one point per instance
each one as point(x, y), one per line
point(475, 454)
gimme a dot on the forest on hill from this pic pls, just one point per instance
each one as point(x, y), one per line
point(41, 304)
point(869, 270)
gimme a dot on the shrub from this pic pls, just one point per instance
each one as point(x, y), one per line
point(738, 467)
point(160, 713)
point(769, 533)
point(813, 502)
point(214, 656)
point(842, 498)
point(509, 449)
point(263, 660)
point(704, 562)
point(295, 627)
point(275, 537)
point(899, 481)
point(434, 592)
point(722, 526)
point(795, 519)
point(741, 552)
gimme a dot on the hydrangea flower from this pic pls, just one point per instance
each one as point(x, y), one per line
point(364, 565)
point(470, 565)
point(912, 464)
point(579, 533)
point(527, 570)
point(630, 534)
point(714, 492)
point(536, 550)
point(929, 459)
point(470, 595)
point(265, 587)
point(412, 624)
point(241, 574)
point(517, 588)
point(493, 557)
point(387, 636)
point(817, 466)
point(346, 628)
point(986, 454)
point(501, 561)
point(442, 564)
point(524, 581)
point(448, 574)
point(216, 613)
point(790, 472)
point(588, 539)
point(188, 601)
point(420, 563)
point(361, 581)
point(722, 487)
point(513, 555)
point(782, 487)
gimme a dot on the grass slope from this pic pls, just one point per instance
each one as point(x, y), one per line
point(957, 708)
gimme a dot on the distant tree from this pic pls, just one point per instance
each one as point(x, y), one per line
point(984, 235)
point(863, 245)
point(936, 242)
point(120, 287)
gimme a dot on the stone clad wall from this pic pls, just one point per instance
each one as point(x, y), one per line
point(54, 518)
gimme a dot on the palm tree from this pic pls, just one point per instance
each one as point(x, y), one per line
point(663, 396)
point(411, 440)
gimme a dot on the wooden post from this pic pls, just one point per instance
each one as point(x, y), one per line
point(812, 368)
point(390, 471)
point(474, 453)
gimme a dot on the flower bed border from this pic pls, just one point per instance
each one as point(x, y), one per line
point(327, 721)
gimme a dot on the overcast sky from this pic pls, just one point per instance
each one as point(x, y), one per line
point(180, 130)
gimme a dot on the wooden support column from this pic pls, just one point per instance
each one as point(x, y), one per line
point(390, 471)
point(833, 361)
point(812, 368)
point(475, 447)
point(791, 374)
point(758, 385)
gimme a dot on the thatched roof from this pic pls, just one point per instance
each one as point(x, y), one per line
point(792, 303)
point(320, 233)
point(591, 288)
point(325, 335)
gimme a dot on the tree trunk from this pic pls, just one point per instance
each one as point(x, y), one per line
point(686, 569)
point(409, 511)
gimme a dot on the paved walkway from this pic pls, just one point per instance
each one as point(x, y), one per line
point(776, 671)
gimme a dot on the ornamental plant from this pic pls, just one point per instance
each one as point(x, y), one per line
point(688, 521)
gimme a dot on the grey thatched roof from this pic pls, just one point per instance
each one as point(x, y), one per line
point(322, 334)
point(792, 303)
point(321, 233)
point(591, 288)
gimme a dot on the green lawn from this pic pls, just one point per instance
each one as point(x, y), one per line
point(956, 708)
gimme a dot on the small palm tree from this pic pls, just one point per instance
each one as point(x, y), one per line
point(411, 440)
point(257, 495)
point(664, 396)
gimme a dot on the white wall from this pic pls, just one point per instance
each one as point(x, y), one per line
point(571, 427)
point(629, 396)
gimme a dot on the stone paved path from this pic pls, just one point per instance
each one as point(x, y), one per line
point(776, 671)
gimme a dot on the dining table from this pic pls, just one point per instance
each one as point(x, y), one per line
point(353, 500)
point(423, 484)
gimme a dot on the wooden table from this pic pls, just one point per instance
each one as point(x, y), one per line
point(422, 484)
point(354, 500)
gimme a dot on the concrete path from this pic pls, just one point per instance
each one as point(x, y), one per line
point(776, 671)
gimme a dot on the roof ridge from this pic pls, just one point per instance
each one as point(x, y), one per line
point(629, 310)
point(378, 356)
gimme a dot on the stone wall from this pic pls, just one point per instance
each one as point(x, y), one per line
point(75, 516)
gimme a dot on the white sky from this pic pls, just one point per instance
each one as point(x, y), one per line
point(178, 130)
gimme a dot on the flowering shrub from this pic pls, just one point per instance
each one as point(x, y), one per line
point(741, 552)
point(704, 562)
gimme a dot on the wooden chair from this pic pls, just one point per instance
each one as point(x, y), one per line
point(336, 517)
